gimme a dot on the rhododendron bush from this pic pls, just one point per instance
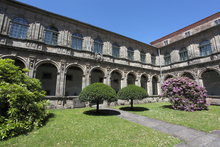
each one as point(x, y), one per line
point(185, 94)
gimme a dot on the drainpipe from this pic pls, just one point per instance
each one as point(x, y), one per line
point(161, 73)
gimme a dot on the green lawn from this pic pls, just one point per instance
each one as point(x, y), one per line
point(200, 120)
point(73, 128)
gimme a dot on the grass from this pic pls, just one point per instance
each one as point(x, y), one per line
point(201, 120)
point(73, 127)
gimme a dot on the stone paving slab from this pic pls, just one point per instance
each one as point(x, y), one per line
point(191, 137)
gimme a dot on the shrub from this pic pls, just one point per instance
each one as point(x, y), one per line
point(21, 101)
point(96, 93)
point(185, 94)
point(132, 92)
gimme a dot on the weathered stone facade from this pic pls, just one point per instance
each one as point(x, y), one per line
point(65, 71)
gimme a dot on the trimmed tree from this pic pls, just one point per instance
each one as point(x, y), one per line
point(132, 92)
point(96, 93)
point(21, 101)
point(185, 94)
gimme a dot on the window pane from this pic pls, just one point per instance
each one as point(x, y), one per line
point(51, 36)
point(19, 28)
point(205, 48)
point(130, 54)
point(98, 45)
point(77, 41)
point(115, 51)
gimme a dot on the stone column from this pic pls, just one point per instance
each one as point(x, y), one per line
point(61, 80)
point(137, 55)
point(159, 87)
point(4, 24)
point(84, 81)
point(64, 38)
point(88, 43)
point(149, 87)
point(123, 52)
point(107, 48)
point(138, 81)
point(174, 56)
point(31, 66)
point(35, 32)
point(123, 81)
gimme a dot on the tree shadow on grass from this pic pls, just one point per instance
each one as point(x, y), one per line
point(48, 117)
point(167, 107)
point(134, 109)
point(102, 112)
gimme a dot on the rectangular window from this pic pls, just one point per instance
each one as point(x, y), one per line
point(166, 42)
point(167, 60)
point(217, 22)
point(153, 60)
point(187, 34)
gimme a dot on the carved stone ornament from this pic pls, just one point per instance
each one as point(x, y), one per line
point(99, 57)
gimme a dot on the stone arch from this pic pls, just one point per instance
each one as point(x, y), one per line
point(73, 80)
point(47, 72)
point(144, 80)
point(155, 80)
point(131, 78)
point(205, 69)
point(19, 61)
point(75, 65)
point(47, 61)
point(188, 75)
point(115, 78)
point(168, 76)
point(211, 81)
point(97, 74)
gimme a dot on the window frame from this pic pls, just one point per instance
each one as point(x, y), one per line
point(51, 34)
point(205, 48)
point(130, 52)
point(19, 29)
point(167, 59)
point(143, 57)
point(77, 41)
point(98, 46)
point(183, 53)
point(115, 50)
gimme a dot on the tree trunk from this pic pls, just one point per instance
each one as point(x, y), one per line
point(131, 104)
point(97, 106)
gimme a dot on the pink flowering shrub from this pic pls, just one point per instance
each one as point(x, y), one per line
point(185, 94)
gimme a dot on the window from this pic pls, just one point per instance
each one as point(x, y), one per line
point(187, 34)
point(77, 40)
point(19, 28)
point(98, 45)
point(205, 48)
point(167, 59)
point(115, 50)
point(166, 42)
point(217, 22)
point(51, 36)
point(153, 59)
point(130, 53)
point(183, 54)
point(143, 57)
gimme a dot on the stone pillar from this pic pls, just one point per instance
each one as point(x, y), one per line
point(123, 81)
point(4, 24)
point(60, 91)
point(64, 38)
point(217, 40)
point(84, 81)
point(148, 58)
point(159, 87)
point(149, 87)
point(174, 56)
point(35, 32)
point(31, 66)
point(88, 43)
point(107, 48)
point(138, 81)
point(137, 55)
point(123, 52)
point(200, 82)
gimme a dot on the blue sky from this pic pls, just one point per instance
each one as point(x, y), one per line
point(143, 20)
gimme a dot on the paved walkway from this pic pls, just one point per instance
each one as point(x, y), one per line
point(191, 137)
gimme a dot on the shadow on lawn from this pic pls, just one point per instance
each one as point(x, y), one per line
point(48, 117)
point(102, 112)
point(167, 107)
point(134, 109)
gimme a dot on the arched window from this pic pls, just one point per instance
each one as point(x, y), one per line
point(77, 40)
point(167, 59)
point(115, 50)
point(143, 57)
point(19, 28)
point(130, 53)
point(98, 46)
point(183, 54)
point(51, 36)
point(205, 48)
point(153, 59)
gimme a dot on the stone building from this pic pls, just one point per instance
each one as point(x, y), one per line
point(67, 55)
